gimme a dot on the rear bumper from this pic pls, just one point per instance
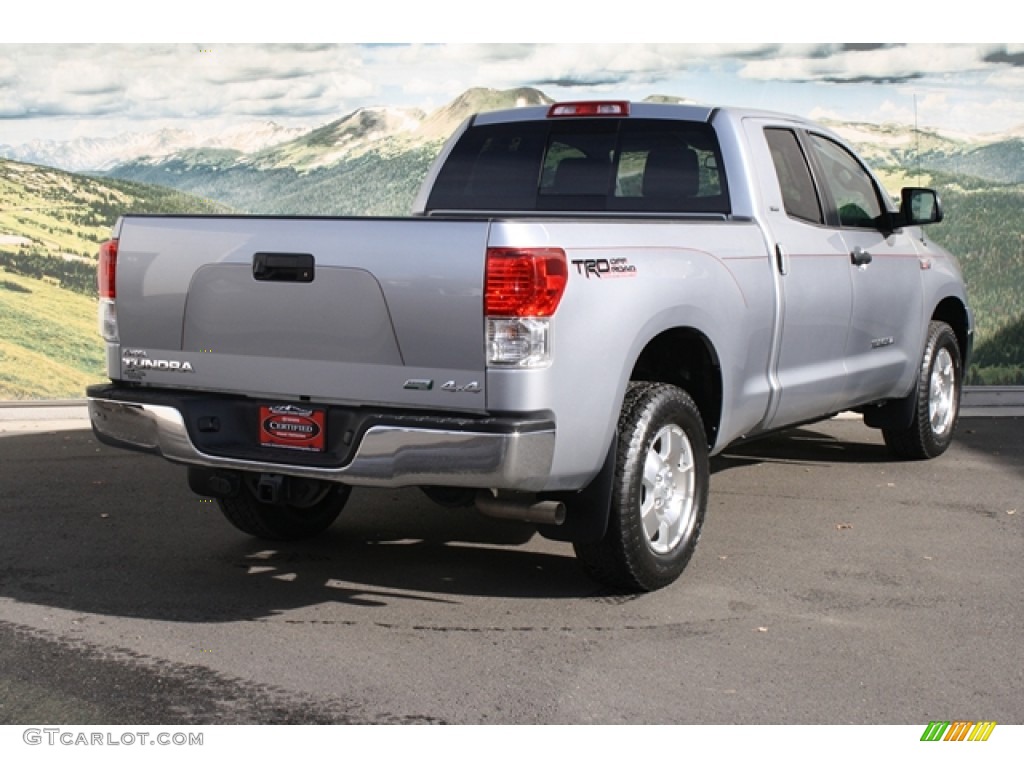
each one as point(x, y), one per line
point(383, 450)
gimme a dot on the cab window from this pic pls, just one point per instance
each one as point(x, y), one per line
point(670, 166)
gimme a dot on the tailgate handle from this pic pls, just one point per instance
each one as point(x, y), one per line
point(283, 267)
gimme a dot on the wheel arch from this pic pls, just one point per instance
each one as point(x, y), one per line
point(686, 358)
point(952, 311)
point(681, 356)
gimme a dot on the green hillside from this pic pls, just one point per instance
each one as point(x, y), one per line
point(49, 346)
point(51, 223)
point(374, 183)
point(984, 227)
point(999, 162)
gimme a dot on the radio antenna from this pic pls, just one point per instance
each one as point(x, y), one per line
point(917, 145)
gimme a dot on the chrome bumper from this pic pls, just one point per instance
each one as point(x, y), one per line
point(387, 456)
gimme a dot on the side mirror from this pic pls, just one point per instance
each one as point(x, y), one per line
point(918, 206)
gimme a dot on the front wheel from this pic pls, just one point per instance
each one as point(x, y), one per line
point(659, 495)
point(305, 509)
point(940, 381)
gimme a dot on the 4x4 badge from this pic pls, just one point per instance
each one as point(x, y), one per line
point(451, 386)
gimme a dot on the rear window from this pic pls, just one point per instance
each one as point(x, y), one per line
point(585, 165)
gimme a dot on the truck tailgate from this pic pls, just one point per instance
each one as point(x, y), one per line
point(377, 312)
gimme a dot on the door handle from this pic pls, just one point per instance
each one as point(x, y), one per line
point(781, 260)
point(859, 257)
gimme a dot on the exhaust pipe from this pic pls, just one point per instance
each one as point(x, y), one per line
point(525, 508)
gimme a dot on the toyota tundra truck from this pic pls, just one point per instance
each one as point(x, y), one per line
point(588, 301)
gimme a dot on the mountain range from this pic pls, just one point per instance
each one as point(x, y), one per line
point(993, 157)
point(369, 162)
point(372, 161)
point(176, 157)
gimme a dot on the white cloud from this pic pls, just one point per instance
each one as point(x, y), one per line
point(886, 64)
point(316, 83)
point(182, 80)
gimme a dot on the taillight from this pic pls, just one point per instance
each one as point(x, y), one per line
point(106, 283)
point(523, 289)
point(589, 109)
point(524, 282)
point(106, 271)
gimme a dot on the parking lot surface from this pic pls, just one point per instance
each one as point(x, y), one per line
point(832, 584)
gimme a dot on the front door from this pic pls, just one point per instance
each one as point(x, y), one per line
point(884, 342)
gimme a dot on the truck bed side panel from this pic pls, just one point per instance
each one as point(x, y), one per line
point(713, 277)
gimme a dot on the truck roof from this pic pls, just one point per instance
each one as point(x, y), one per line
point(642, 109)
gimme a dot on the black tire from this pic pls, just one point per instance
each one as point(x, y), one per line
point(659, 493)
point(310, 508)
point(939, 385)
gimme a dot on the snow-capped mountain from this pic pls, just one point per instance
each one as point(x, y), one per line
point(370, 161)
point(101, 154)
point(344, 139)
point(268, 145)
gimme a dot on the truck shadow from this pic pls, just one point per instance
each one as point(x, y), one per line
point(849, 442)
point(87, 528)
point(91, 529)
point(846, 442)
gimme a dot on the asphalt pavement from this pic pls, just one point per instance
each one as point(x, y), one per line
point(832, 584)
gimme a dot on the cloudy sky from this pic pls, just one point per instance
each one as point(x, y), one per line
point(72, 89)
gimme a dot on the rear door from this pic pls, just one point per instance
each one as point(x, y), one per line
point(812, 277)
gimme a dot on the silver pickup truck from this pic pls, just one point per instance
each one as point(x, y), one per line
point(588, 301)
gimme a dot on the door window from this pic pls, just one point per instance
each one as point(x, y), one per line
point(853, 192)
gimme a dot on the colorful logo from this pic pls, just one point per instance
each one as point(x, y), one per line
point(958, 730)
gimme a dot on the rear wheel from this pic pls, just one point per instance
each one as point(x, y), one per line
point(659, 495)
point(305, 508)
point(938, 399)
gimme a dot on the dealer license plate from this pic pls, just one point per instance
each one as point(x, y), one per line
point(292, 426)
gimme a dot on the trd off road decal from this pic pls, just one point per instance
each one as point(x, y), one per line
point(602, 268)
